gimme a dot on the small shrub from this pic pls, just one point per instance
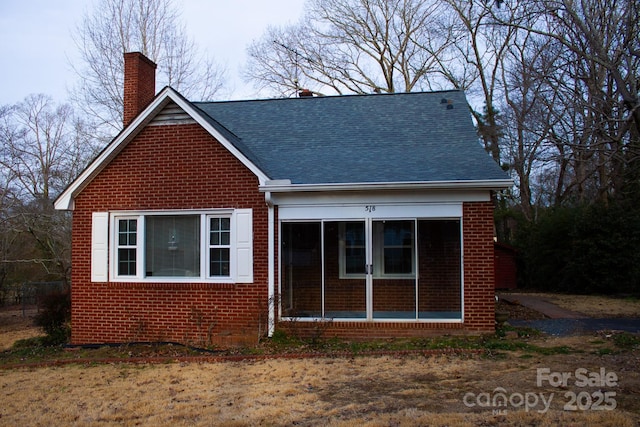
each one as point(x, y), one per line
point(54, 317)
point(281, 338)
point(28, 343)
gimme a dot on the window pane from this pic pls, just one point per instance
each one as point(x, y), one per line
point(127, 230)
point(133, 231)
point(354, 248)
point(440, 269)
point(354, 260)
point(220, 231)
point(126, 262)
point(398, 233)
point(301, 270)
point(172, 246)
point(215, 231)
point(397, 245)
point(354, 233)
point(398, 260)
point(219, 260)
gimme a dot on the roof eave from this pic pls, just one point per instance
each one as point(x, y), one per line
point(280, 186)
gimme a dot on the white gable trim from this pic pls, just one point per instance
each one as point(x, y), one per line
point(66, 200)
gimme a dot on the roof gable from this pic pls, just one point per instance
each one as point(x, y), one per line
point(168, 107)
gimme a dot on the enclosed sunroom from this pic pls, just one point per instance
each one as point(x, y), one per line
point(382, 261)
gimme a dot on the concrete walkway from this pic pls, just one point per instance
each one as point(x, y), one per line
point(562, 322)
point(541, 305)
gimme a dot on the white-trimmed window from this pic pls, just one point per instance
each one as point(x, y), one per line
point(393, 249)
point(127, 246)
point(353, 258)
point(211, 246)
point(219, 246)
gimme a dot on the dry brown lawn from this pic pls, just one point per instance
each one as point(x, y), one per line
point(15, 325)
point(597, 306)
point(364, 391)
point(356, 391)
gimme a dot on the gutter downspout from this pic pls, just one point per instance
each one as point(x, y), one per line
point(271, 319)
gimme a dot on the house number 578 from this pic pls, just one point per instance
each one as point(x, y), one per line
point(370, 208)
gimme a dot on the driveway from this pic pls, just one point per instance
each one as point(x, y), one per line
point(564, 327)
point(562, 322)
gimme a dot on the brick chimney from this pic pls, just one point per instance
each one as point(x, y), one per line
point(139, 84)
point(305, 93)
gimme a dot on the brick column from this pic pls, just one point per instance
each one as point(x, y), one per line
point(479, 287)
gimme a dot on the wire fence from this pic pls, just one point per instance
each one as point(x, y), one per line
point(30, 294)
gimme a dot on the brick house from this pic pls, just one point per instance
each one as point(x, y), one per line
point(216, 222)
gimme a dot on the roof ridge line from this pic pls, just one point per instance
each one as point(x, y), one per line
point(349, 95)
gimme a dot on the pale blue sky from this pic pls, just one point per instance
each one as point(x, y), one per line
point(36, 44)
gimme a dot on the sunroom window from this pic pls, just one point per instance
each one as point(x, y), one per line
point(377, 269)
point(393, 249)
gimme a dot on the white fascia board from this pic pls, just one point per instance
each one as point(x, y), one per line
point(65, 200)
point(380, 186)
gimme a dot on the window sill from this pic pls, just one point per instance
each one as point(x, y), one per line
point(173, 285)
point(160, 279)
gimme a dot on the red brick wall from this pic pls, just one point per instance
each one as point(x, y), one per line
point(169, 167)
point(479, 288)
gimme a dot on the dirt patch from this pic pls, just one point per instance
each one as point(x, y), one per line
point(517, 311)
point(16, 324)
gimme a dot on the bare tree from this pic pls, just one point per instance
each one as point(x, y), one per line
point(351, 46)
point(474, 62)
point(600, 43)
point(43, 147)
point(152, 27)
point(529, 112)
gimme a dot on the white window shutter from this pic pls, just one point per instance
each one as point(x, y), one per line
point(244, 245)
point(99, 247)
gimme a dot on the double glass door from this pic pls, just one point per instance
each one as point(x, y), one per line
point(369, 269)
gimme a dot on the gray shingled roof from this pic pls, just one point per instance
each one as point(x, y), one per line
point(407, 137)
